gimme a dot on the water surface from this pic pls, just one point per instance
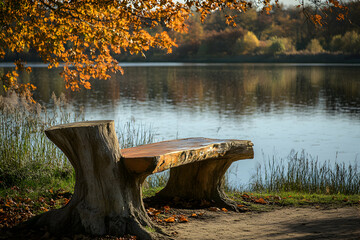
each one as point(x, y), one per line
point(279, 107)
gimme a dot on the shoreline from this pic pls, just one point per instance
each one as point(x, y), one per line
point(322, 58)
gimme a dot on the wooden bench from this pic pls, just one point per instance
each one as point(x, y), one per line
point(107, 197)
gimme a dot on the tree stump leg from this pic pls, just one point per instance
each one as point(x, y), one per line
point(107, 199)
point(199, 181)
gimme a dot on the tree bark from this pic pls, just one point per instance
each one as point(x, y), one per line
point(107, 199)
point(199, 181)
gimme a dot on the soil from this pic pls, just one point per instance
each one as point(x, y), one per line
point(283, 223)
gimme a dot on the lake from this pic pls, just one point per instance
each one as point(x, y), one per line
point(279, 107)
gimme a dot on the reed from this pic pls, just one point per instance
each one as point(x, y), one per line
point(25, 152)
point(133, 134)
point(303, 173)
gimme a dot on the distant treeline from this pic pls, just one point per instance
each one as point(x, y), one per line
point(284, 35)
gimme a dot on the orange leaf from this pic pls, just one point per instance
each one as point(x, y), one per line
point(183, 219)
point(44, 209)
point(224, 210)
point(261, 201)
point(170, 220)
point(166, 208)
point(194, 214)
point(153, 212)
point(66, 201)
point(240, 205)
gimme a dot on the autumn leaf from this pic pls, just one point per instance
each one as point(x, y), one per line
point(245, 196)
point(261, 201)
point(183, 219)
point(44, 209)
point(224, 210)
point(170, 220)
point(340, 17)
point(166, 209)
point(316, 19)
point(153, 212)
point(66, 201)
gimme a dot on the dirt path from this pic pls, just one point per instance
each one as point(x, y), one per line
point(286, 223)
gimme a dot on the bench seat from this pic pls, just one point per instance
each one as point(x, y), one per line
point(157, 157)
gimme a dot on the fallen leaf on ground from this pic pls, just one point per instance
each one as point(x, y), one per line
point(183, 219)
point(170, 220)
point(224, 210)
point(193, 215)
point(261, 201)
point(245, 195)
point(153, 211)
point(166, 208)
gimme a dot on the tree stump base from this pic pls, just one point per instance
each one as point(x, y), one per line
point(107, 198)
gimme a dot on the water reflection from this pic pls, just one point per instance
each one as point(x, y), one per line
point(230, 89)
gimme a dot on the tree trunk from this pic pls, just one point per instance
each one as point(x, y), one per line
point(107, 198)
point(199, 181)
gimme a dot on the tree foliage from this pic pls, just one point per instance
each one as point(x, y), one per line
point(314, 46)
point(83, 35)
point(248, 43)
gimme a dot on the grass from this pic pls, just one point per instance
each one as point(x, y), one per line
point(132, 134)
point(305, 174)
point(267, 201)
point(27, 157)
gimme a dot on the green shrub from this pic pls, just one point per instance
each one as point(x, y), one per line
point(314, 46)
point(336, 43)
point(351, 42)
point(280, 45)
point(247, 44)
point(348, 43)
